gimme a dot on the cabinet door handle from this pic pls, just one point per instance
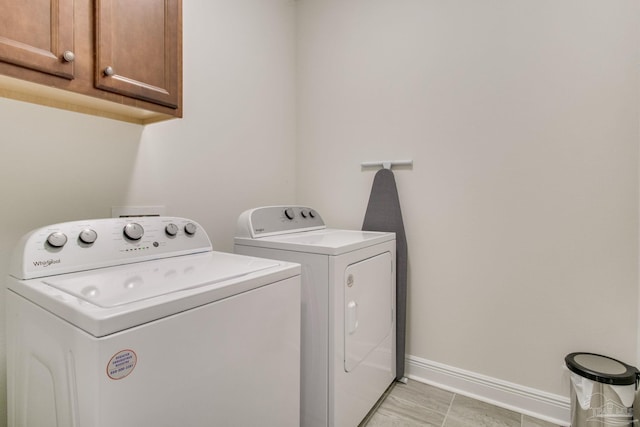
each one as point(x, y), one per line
point(109, 71)
point(69, 56)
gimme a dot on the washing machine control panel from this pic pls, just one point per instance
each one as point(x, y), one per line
point(274, 220)
point(83, 245)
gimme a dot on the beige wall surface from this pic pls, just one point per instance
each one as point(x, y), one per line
point(233, 150)
point(521, 209)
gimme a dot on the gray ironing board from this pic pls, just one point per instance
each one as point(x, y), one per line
point(384, 214)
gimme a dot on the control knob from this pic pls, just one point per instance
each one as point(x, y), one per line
point(289, 213)
point(57, 239)
point(308, 213)
point(171, 229)
point(88, 236)
point(133, 231)
point(190, 228)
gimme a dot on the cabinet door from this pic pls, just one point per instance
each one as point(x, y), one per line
point(36, 34)
point(139, 49)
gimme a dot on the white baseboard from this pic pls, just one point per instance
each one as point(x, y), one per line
point(528, 401)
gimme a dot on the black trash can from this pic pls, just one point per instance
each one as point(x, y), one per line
point(602, 391)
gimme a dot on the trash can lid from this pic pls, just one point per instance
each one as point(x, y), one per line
point(602, 369)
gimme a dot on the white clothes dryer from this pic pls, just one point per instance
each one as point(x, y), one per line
point(135, 322)
point(348, 301)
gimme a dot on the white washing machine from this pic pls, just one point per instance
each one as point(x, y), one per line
point(137, 322)
point(348, 301)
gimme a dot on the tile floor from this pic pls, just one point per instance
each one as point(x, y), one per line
point(416, 404)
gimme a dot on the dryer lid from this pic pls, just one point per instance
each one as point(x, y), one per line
point(118, 286)
point(326, 242)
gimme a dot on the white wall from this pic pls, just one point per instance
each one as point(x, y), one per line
point(522, 206)
point(235, 147)
point(233, 150)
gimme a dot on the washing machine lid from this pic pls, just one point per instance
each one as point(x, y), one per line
point(108, 300)
point(112, 287)
point(327, 242)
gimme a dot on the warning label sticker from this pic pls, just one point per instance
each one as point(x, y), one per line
point(122, 364)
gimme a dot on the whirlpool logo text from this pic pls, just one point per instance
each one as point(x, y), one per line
point(46, 263)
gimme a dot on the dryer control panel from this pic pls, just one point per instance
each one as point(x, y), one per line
point(84, 245)
point(274, 220)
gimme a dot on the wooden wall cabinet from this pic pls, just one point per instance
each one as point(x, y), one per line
point(36, 34)
point(114, 58)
